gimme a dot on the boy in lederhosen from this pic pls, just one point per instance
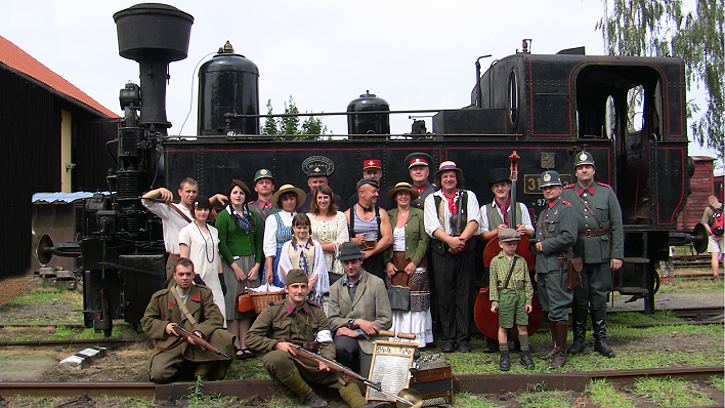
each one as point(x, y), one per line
point(511, 294)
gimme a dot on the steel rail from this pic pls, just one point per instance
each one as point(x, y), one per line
point(69, 342)
point(244, 389)
point(74, 389)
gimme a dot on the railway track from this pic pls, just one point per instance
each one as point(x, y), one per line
point(71, 342)
point(245, 389)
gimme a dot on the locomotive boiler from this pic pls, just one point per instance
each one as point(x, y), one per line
point(629, 112)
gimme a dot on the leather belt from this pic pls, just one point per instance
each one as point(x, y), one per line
point(594, 233)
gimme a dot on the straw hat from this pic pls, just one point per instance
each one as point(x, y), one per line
point(403, 186)
point(288, 188)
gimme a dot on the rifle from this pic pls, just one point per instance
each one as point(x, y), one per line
point(184, 332)
point(335, 366)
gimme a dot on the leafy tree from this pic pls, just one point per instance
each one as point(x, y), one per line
point(270, 124)
point(290, 125)
point(661, 28)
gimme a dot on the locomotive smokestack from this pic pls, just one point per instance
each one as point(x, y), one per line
point(153, 35)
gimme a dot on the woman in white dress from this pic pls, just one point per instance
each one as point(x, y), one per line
point(406, 264)
point(329, 226)
point(303, 252)
point(199, 242)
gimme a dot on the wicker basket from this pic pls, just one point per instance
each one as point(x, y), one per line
point(263, 299)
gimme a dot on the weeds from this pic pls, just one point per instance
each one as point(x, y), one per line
point(544, 399)
point(468, 400)
point(717, 382)
point(198, 399)
point(669, 392)
point(606, 396)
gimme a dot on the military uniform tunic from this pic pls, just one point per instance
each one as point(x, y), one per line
point(172, 351)
point(556, 229)
point(600, 238)
point(282, 322)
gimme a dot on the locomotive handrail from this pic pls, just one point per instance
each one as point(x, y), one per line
point(290, 115)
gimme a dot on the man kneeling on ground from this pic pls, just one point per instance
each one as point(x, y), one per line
point(177, 358)
point(296, 322)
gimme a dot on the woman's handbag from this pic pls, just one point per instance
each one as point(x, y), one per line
point(245, 303)
point(399, 298)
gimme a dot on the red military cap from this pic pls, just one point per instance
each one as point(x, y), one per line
point(372, 164)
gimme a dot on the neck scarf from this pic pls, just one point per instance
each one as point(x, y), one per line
point(504, 209)
point(244, 221)
point(452, 198)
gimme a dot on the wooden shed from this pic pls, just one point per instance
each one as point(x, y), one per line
point(703, 186)
point(53, 139)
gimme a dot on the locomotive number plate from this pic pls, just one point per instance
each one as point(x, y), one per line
point(533, 181)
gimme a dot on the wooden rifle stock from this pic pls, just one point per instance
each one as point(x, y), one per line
point(337, 367)
point(184, 332)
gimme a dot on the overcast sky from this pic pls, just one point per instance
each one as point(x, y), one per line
point(416, 54)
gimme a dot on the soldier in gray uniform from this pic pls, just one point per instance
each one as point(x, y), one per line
point(601, 246)
point(555, 236)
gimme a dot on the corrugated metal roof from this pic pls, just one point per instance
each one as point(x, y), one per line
point(51, 198)
point(21, 62)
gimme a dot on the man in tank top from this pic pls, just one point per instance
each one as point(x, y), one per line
point(369, 227)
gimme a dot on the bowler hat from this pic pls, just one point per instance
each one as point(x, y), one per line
point(400, 187)
point(498, 175)
point(288, 188)
point(202, 202)
point(350, 251)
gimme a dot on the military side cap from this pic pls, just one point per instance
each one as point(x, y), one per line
point(372, 164)
point(318, 166)
point(499, 175)
point(508, 234)
point(550, 178)
point(349, 251)
point(296, 276)
point(263, 174)
point(583, 158)
point(418, 159)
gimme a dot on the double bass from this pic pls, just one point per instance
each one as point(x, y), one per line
point(486, 320)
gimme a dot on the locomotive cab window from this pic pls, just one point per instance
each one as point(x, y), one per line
point(622, 105)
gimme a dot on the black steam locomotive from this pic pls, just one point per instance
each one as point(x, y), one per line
point(628, 111)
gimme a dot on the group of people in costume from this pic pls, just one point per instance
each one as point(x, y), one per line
point(336, 261)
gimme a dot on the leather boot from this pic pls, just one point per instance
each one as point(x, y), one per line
point(505, 363)
point(578, 329)
point(526, 360)
point(599, 328)
point(562, 328)
point(554, 350)
point(314, 401)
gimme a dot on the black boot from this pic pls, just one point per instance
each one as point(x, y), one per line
point(599, 328)
point(526, 360)
point(578, 329)
point(505, 363)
